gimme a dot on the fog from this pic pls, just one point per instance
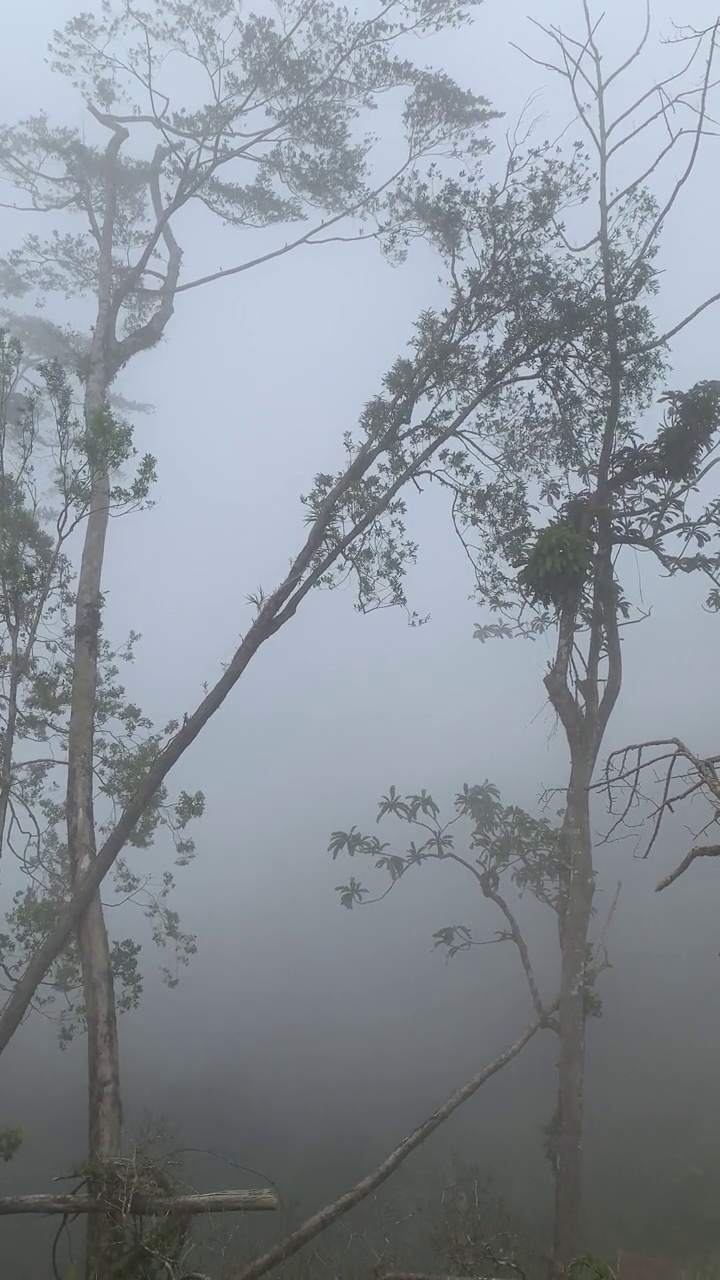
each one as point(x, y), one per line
point(303, 1040)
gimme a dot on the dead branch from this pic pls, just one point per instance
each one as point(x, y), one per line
point(662, 758)
point(700, 851)
point(320, 1221)
point(654, 106)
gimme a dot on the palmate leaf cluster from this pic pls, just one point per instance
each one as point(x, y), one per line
point(556, 566)
point(495, 843)
point(47, 460)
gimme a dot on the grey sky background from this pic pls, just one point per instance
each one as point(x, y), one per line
point(297, 1019)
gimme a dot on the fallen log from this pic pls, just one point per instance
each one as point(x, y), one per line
point(140, 1205)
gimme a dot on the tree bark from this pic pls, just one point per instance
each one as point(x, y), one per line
point(104, 1098)
point(574, 928)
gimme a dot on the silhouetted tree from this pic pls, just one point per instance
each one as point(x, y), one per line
point(548, 518)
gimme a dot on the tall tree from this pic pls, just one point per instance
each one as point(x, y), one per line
point(621, 491)
point(271, 136)
point(549, 527)
point(613, 489)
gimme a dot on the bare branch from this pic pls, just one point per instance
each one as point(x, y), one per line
point(520, 943)
point(632, 57)
point(682, 324)
point(609, 917)
point(625, 769)
point(319, 1222)
point(689, 167)
point(307, 238)
point(700, 851)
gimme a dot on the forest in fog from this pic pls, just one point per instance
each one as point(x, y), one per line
point(359, 513)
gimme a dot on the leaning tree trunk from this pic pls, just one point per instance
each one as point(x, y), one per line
point(104, 1100)
point(574, 928)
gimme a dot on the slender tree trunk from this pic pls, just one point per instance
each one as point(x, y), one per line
point(104, 1099)
point(8, 742)
point(574, 929)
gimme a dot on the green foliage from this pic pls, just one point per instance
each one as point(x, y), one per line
point(593, 1003)
point(517, 455)
point(694, 420)
point(45, 449)
point(11, 1141)
point(500, 840)
point(523, 453)
point(284, 141)
point(587, 1263)
point(591, 996)
point(555, 567)
point(482, 385)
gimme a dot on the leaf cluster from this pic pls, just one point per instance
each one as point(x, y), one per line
point(47, 464)
point(555, 567)
point(492, 382)
point(261, 119)
point(11, 1140)
point(499, 841)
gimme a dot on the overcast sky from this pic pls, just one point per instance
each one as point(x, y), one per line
point(292, 1003)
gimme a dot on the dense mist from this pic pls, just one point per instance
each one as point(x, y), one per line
point(303, 1041)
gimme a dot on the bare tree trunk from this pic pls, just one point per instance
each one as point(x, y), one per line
point(8, 743)
point(104, 1099)
point(574, 928)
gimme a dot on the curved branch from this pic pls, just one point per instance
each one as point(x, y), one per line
point(521, 945)
point(517, 936)
point(700, 851)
